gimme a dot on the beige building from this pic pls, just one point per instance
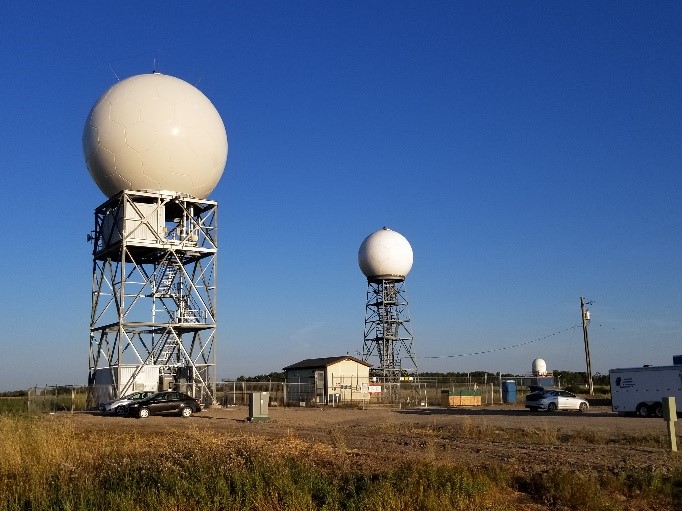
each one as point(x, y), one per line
point(331, 380)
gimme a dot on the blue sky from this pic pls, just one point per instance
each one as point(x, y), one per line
point(529, 151)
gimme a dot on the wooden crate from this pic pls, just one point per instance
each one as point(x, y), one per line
point(460, 397)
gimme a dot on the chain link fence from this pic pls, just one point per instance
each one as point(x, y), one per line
point(46, 399)
point(426, 391)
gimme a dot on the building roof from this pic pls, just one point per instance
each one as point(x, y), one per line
point(310, 363)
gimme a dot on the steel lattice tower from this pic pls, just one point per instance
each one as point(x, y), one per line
point(387, 329)
point(153, 317)
point(385, 257)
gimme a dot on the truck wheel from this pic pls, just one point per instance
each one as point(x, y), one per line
point(658, 410)
point(143, 413)
point(551, 407)
point(642, 410)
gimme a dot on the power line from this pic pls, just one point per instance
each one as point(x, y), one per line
point(493, 350)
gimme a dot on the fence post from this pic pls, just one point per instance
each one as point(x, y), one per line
point(500, 374)
point(670, 417)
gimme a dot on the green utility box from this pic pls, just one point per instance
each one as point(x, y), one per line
point(258, 406)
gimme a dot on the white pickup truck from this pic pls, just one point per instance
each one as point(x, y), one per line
point(640, 390)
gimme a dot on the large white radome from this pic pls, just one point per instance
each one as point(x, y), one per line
point(385, 254)
point(155, 132)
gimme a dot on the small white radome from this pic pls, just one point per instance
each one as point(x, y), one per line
point(539, 367)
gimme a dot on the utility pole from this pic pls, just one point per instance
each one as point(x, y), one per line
point(586, 319)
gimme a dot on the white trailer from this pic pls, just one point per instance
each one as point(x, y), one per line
point(640, 390)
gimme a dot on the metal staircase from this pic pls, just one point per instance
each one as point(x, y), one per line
point(165, 285)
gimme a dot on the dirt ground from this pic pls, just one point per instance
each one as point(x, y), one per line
point(520, 440)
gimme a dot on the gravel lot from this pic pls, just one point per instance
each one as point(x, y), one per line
point(520, 440)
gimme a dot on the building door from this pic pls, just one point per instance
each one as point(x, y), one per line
point(319, 386)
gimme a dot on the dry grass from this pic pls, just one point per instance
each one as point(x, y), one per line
point(46, 463)
point(543, 433)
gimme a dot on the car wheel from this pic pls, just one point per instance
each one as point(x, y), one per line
point(551, 407)
point(120, 409)
point(143, 413)
point(186, 411)
point(658, 410)
point(583, 407)
point(642, 410)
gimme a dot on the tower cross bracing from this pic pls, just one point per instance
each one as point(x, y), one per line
point(153, 315)
point(387, 334)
